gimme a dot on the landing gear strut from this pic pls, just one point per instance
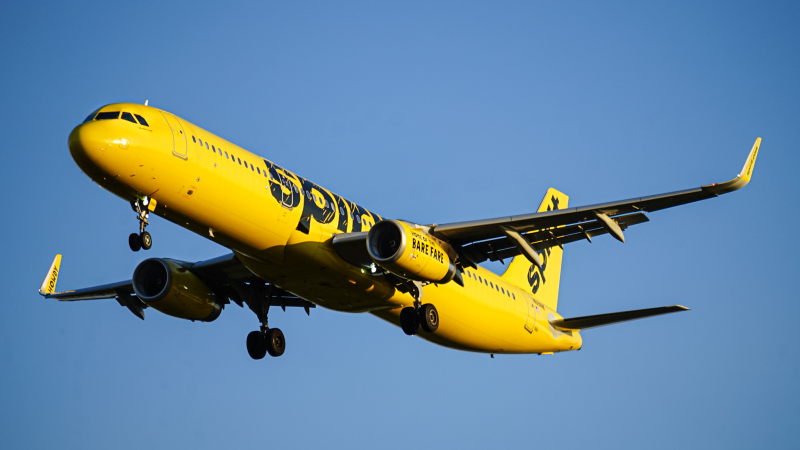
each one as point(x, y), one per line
point(419, 315)
point(142, 240)
point(267, 340)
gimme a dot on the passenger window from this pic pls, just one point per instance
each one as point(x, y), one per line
point(207, 146)
point(480, 279)
point(265, 174)
point(194, 140)
point(259, 170)
point(252, 168)
point(129, 117)
point(497, 287)
point(141, 120)
point(240, 161)
point(201, 142)
point(245, 163)
point(513, 296)
point(213, 149)
point(226, 155)
point(491, 285)
point(108, 115)
point(502, 290)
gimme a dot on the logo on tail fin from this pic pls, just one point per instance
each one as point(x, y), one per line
point(536, 276)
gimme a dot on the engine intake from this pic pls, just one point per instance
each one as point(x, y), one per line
point(411, 252)
point(167, 286)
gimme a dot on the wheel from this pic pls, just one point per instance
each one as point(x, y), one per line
point(147, 240)
point(409, 321)
point(429, 317)
point(275, 342)
point(135, 242)
point(255, 345)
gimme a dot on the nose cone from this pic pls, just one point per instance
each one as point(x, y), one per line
point(88, 143)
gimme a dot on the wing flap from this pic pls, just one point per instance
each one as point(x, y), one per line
point(600, 320)
point(502, 248)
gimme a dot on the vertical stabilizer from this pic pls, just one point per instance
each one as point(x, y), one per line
point(542, 283)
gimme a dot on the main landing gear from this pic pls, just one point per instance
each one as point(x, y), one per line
point(419, 315)
point(142, 240)
point(267, 340)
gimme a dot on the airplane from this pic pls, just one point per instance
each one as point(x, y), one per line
point(297, 244)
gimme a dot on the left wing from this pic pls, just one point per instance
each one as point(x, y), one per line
point(228, 278)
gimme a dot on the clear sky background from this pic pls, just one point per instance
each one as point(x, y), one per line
point(434, 112)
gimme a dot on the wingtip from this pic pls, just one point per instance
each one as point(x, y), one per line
point(49, 284)
point(682, 308)
point(742, 178)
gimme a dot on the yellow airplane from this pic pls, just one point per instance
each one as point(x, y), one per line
point(297, 244)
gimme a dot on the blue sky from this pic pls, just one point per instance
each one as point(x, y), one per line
point(433, 112)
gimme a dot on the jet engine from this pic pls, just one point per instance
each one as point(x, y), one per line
point(411, 252)
point(169, 287)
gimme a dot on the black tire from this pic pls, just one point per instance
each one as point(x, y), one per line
point(255, 345)
point(146, 239)
point(409, 321)
point(429, 317)
point(275, 342)
point(135, 242)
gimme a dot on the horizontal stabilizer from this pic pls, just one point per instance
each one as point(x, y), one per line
point(582, 323)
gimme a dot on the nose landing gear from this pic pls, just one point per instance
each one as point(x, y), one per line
point(141, 240)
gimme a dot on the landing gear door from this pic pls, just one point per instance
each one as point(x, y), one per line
point(530, 325)
point(179, 142)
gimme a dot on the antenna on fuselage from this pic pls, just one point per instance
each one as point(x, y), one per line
point(145, 102)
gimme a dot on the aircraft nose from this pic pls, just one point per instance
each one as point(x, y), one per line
point(88, 142)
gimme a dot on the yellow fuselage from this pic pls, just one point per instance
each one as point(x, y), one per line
point(281, 226)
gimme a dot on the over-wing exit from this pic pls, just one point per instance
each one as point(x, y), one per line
point(297, 244)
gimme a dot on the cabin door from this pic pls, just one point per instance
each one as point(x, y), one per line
point(179, 142)
point(533, 310)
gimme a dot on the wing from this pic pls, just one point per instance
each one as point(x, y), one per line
point(503, 237)
point(227, 277)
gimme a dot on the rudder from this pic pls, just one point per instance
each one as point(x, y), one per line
point(541, 283)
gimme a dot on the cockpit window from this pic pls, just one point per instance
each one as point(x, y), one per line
point(128, 116)
point(91, 117)
point(141, 120)
point(108, 115)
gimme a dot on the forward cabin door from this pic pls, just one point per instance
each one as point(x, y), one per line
point(179, 142)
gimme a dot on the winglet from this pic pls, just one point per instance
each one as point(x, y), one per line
point(49, 283)
point(742, 179)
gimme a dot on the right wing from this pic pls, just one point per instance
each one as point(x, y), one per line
point(499, 238)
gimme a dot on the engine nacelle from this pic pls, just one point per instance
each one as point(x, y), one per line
point(411, 252)
point(165, 285)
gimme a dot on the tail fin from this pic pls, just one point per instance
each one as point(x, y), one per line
point(541, 283)
point(49, 283)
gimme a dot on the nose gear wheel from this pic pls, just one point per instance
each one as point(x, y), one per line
point(142, 240)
